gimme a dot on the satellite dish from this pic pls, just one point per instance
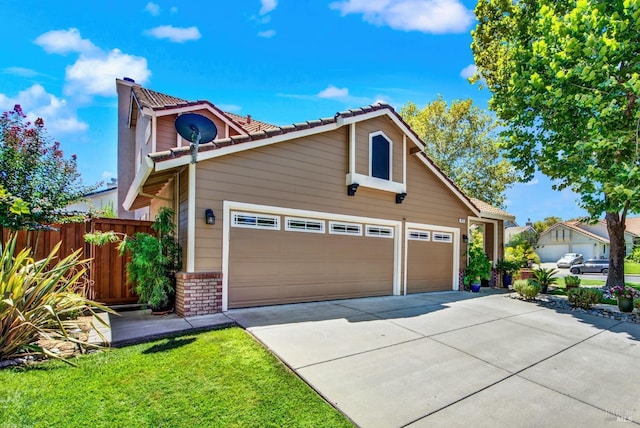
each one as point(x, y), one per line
point(196, 129)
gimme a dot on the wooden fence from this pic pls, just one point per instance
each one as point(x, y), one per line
point(107, 273)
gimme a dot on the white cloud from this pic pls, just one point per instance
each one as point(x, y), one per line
point(21, 71)
point(268, 6)
point(152, 8)
point(37, 102)
point(64, 42)
point(267, 34)
point(95, 70)
point(107, 174)
point(469, 71)
point(96, 75)
point(427, 16)
point(175, 34)
point(333, 92)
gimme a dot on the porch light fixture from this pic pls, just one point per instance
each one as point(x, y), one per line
point(465, 239)
point(352, 188)
point(209, 216)
point(400, 197)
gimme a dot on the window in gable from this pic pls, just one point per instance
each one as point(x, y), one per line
point(379, 156)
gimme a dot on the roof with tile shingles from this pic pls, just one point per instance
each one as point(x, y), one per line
point(158, 101)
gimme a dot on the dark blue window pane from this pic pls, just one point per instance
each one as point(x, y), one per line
point(380, 157)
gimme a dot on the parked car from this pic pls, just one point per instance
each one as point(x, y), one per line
point(591, 266)
point(569, 260)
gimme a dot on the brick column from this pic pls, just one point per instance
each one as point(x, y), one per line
point(198, 293)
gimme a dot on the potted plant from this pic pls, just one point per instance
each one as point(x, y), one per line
point(478, 266)
point(545, 277)
point(507, 268)
point(625, 296)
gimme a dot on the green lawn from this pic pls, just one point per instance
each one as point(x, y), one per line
point(560, 290)
point(219, 378)
point(632, 268)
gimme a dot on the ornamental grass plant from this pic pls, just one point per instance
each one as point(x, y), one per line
point(40, 300)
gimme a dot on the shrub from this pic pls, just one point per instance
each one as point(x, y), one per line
point(527, 289)
point(571, 281)
point(154, 259)
point(636, 303)
point(635, 255)
point(37, 299)
point(584, 298)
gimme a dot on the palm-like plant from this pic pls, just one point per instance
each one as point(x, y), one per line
point(37, 299)
point(545, 277)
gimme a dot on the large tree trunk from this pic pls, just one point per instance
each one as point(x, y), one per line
point(616, 227)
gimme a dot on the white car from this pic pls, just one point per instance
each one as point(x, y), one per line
point(569, 259)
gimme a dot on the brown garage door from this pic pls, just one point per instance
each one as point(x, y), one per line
point(279, 266)
point(430, 261)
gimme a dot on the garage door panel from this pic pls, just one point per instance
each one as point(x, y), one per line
point(270, 267)
point(429, 266)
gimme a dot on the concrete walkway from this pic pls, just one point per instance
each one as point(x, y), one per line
point(131, 327)
point(455, 359)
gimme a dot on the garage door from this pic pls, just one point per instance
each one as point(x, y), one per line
point(551, 253)
point(429, 261)
point(279, 259)
point(587, 250)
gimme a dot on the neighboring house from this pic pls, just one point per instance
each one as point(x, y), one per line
point(98, 200)
point(340, 207)
point(590, 240)
point(511, 232)
point(633, 226)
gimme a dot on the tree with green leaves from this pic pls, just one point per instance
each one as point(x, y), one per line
point(33, 169)
point(565, 78)
point(542, 225)
point(461, 139)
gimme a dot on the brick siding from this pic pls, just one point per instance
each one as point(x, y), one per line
point(198, 293)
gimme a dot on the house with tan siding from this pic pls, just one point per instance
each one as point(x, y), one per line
point(339, 207)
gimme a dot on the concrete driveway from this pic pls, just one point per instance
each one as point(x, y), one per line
point(457, 359)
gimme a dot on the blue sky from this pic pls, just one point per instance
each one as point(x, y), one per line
point(282, 61)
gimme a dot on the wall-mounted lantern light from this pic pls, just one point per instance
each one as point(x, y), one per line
point(465, 239)
point(209, 216)
point(400, 197)
point(352, 188)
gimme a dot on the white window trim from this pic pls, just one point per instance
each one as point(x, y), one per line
point(374, 134)
point(425, 235)
point(287, 227)
point(448, 236)
point(340, 223)
point(380, 228)
point(275, 226)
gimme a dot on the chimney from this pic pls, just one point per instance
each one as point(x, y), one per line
point(129, 79)
point(248, 118)
point(528, 223)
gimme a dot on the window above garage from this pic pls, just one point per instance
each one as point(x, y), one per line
point(380, 163)
point(380, 156)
